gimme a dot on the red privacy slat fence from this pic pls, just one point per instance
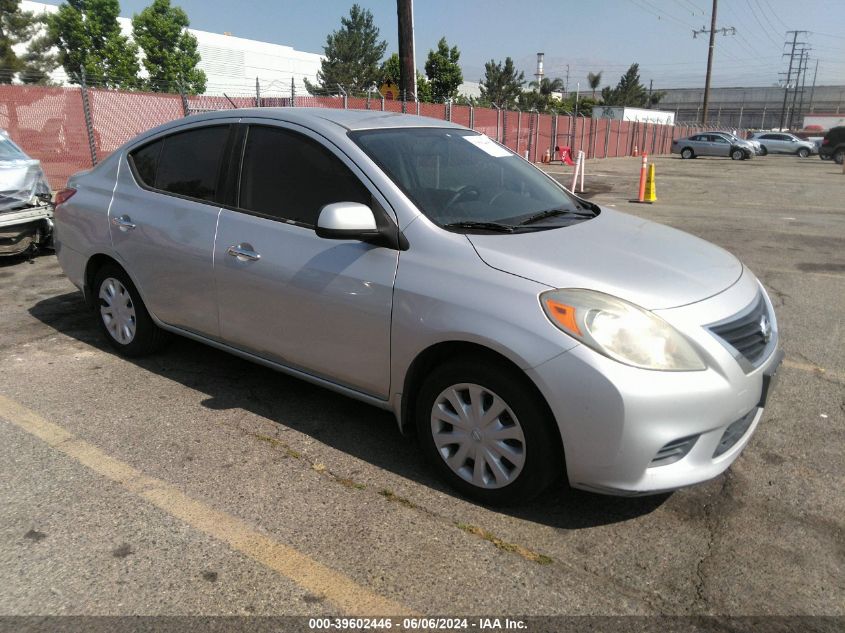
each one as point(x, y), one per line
point(50, 123)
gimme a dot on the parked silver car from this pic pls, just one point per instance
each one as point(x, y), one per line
point(784, 143)
point(712, 144)
point(421, 267)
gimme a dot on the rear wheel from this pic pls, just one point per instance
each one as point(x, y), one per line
point(803, 152)
point(487, 432)
point(687, 153)
point(839, 156)
point(763, 151)
point(122, 315)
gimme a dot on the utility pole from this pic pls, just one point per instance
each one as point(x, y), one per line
point(407, 63)
point(789, 74)
point(813, 89)
point(795, 91)
point(712, 31)
point(806, 56)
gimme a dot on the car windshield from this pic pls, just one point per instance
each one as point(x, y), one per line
point(463, 180)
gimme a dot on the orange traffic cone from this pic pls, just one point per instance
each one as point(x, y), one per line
point(636, 153)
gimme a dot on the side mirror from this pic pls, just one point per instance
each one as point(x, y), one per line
point(347, 221)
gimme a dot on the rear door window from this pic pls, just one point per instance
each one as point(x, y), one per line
point(186, 163)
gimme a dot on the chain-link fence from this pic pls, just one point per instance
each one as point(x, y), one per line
point(71, 128)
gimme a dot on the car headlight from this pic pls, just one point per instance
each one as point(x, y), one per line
point(620, 330)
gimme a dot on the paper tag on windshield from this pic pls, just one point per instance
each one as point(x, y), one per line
point(486, 144)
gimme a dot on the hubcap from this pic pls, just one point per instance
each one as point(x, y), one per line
point(117, 311)
point(478, 436)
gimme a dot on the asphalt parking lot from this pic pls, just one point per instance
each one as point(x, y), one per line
point(193, 482)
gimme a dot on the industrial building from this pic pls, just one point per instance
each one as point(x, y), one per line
point(231, 64)
point(759, 108)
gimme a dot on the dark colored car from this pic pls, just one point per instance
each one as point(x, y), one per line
point(833, 145)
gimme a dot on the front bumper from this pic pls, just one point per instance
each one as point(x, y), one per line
point(614, 419)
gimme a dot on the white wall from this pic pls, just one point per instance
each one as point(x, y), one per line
point(231, 63)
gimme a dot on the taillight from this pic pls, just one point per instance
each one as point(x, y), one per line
point(63, 196)
point(825, 141)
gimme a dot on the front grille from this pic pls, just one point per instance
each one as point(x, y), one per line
point(674, 451)
point(734, 432)
point(749, 332)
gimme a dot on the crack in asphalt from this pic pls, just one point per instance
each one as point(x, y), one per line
point(712, 514)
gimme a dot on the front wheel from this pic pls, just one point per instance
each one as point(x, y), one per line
point(487, 432)
point(737, 154)
point(687, 153)
point(803, 152)
point(122, 316)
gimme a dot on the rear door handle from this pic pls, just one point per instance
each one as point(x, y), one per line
point(243, 252)
point(124, 223)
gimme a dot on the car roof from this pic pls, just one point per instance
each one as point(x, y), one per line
point(331, 122)
point(348, 119)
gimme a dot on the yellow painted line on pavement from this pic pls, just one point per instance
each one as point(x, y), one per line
point(339, 589)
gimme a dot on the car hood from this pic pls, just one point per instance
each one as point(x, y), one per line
point(649, 264)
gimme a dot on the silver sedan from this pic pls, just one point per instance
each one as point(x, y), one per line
point(522, 332)
point(712, 144)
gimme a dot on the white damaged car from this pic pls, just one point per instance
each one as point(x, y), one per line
point(26, 210)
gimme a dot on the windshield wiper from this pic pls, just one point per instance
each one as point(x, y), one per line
point(488, 226)
point(550, 213)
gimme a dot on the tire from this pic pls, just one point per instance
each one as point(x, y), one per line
point(839, 156)
point(763, 151)
point(520, 464)
point(803, 152)
point(737, 154)
point(687, 153)
point(122, 316)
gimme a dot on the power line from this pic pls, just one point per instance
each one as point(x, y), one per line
point(763, 28)
point(775, 13)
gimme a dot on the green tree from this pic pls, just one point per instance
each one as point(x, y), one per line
point(88, 35)
point(502, 84)
point(389, 74)
point(548, 86)
point(389, 71)
point(352, 55)
point(443, 71)
point(594, 79)
point(628, 92)
point(170, 51)
point(17, 27)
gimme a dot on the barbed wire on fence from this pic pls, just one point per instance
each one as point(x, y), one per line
point(70, 128)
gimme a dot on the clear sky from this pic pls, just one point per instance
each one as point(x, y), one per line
point(589, 35)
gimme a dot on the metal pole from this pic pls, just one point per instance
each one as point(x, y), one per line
point(813, 89)
point(369, 96)
point(404, 102)
point(530, 133)
point(471, 117)
point(257, 93)
point(795, 92)
point(505, 125)
point(86, 110)
point(788, 77)
point(710, 59)
point(763, 119)
point(293, 93)
point(518, 127)
point(382, 103)
point(803, 86)
point(606, 136)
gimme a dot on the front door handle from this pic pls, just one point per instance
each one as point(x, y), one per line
point(124, 223)
point(243, 252)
